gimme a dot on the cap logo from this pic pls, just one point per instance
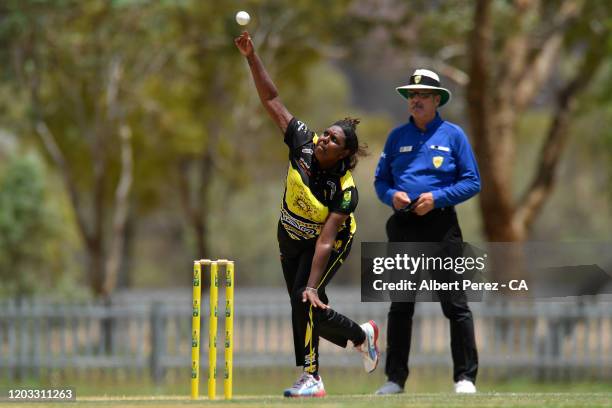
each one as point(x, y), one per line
point(417, 79)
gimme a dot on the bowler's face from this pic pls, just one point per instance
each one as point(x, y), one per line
point(331, 145)
point(423, 104)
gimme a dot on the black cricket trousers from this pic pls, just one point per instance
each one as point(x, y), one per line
point(439, 225)
point(310, 322)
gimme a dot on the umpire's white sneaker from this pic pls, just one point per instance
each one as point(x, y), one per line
point(388, 388)
point(465, 387)
point(369, 347)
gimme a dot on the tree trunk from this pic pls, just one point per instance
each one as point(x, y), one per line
point(544, 178)
point(494, 107)
point(122, 195)
point(496, 102)
point(95, 255)
point(194, 193)
point(495, 197)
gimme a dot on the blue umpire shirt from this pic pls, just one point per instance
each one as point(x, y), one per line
point(439, 160)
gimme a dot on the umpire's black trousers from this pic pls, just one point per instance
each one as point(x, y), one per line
point(439, 225)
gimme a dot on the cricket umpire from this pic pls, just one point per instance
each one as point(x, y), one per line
point(427, 167)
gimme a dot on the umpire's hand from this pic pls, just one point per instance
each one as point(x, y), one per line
point(424, 204)
point(400, 200)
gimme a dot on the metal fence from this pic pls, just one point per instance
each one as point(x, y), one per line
point(152, 334)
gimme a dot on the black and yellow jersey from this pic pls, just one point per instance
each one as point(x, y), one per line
point(311, 192)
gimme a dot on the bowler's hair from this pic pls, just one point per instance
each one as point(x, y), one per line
point(349, 127)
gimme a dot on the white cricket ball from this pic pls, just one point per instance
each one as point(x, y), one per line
point(243, 18)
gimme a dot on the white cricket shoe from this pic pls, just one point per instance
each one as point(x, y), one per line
point(389, 388)
point(369, 348)
point(306, 385)
point(465, 387)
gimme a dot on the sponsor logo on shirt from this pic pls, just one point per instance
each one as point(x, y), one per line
point(304, 166)
point(307, 150)
point(405, 149)
point(299, 229)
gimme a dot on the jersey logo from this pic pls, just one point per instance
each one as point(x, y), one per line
point(338, 245)
point(332, 189)
point(405, 149)
point(307, 150)
point(437, 161)
point(346, 200)
point(301, 126)
point(302, 205)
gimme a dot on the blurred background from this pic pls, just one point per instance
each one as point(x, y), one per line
point(132, 142)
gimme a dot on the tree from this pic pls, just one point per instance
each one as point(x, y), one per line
point(27, 229)
point(507, 71)
point(79, 82)
point(207, 112)
point(103, 80)
point(509, 56)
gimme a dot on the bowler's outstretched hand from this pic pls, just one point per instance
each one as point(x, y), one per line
point(245, 44)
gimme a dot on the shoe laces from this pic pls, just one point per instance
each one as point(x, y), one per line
point(302, 380)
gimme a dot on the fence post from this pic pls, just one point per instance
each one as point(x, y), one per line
point(158, 342)
point(22, 345)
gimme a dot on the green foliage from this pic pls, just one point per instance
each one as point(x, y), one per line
point(187, 95)
point(595, 143)
point(30, 258)
point(61, 54)
point(185, 92)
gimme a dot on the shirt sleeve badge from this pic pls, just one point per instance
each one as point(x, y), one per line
point(346, 200)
